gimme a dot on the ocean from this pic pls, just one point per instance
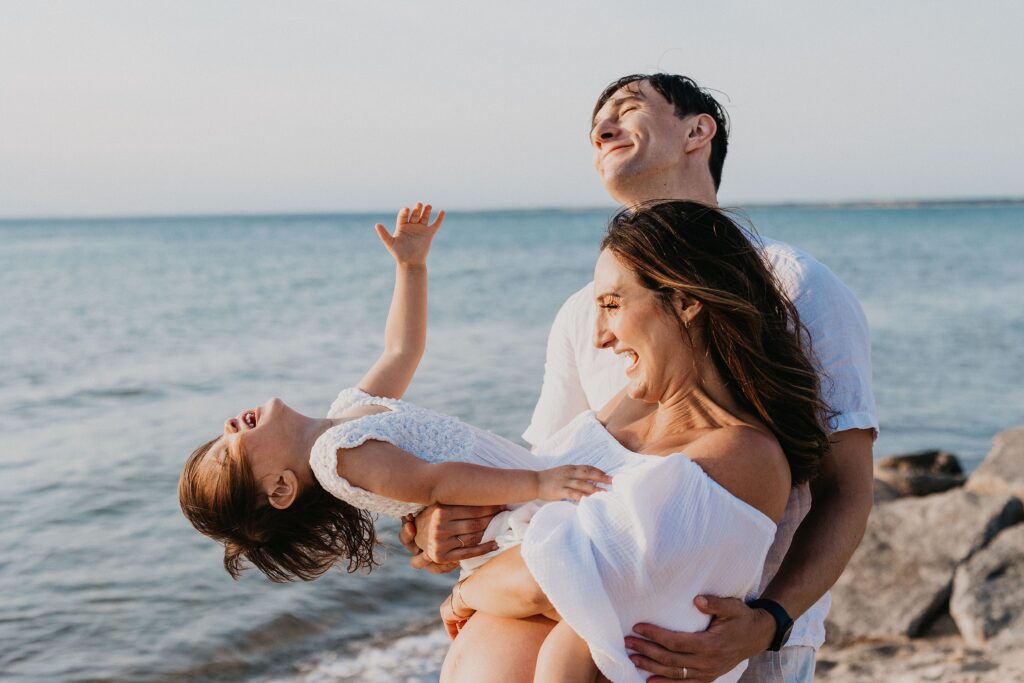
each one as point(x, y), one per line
point(127, 342)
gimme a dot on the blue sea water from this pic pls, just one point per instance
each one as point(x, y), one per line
point(127, 342)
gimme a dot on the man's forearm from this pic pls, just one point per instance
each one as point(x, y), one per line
point(828, 536)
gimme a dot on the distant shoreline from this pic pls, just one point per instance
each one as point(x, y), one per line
point(985, 202)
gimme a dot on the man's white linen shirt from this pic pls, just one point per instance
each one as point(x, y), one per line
point(578, 376)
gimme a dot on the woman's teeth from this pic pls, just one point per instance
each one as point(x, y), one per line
point(250, 418)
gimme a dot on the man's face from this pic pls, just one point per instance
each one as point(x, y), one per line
point(638, 141)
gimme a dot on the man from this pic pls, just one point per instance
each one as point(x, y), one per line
point(662, 137)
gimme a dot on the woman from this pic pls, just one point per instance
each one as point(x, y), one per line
point(717, 372)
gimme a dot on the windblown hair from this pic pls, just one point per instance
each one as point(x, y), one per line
point(688, 99)
point(302, 541)
point(752, 330)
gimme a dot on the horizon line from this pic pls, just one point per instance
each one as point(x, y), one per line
point(844, 204)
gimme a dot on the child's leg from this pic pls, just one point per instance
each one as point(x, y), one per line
point(564, 657)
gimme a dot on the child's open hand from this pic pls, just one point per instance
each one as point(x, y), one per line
point(413, 234)
point(570, 482)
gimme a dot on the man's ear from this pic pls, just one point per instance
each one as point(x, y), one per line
point(282, 491)
point(700, 133)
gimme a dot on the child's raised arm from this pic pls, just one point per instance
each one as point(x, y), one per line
point(405, 335)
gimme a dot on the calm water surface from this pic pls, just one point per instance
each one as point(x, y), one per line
point(126, 343)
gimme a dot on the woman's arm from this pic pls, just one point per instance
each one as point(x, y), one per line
point(389, 471)
point(405, 334)
point(503, 587)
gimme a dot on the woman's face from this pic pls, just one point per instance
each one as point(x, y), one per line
point(633, 321)
point(265, 434)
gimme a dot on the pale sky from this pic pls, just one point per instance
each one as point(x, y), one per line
point(156, 107)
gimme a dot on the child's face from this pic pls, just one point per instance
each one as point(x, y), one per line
point(266, 435)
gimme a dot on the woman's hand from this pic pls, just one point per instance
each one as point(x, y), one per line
point(454, 612)
point(570, 482)
point(413, 233)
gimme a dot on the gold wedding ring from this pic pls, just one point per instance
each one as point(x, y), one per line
point(462, 544)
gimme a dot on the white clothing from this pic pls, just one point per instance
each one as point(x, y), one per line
point(611, 560)
point(578, 376)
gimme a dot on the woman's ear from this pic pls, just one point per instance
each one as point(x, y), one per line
point(282, 491)
point(687, 308)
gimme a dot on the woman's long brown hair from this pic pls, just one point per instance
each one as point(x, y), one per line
point(302, 541)
point(753, 332)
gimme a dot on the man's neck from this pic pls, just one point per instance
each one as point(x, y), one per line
point(671, 189)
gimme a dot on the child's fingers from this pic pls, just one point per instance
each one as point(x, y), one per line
point(414, 217)
point(585, 487)
point(384, 235)
point(591, 473)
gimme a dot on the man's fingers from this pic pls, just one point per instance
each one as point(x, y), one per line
point(724, 608)
point(459, 554)
point(676, 641)
point(407, 536)
point(468, 526)
point(451, 513)
point(666, 673)
point(422, 562)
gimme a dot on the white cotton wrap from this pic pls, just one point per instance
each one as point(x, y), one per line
point(665, 533)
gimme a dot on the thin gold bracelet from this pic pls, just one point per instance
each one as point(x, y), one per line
point(458, 589)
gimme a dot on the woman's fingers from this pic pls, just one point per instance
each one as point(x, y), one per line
point(425, 215)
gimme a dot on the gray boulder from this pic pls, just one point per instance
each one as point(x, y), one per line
point(901, 575)
point(988, 594)
point(884, 492)
point(922, 473)
point(1002, 471)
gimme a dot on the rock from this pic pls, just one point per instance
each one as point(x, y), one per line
point(901, 575)
point(1002, 471)
point(921, 473)
point(988, 594)
point(885, 492)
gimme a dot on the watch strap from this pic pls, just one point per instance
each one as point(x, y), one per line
point(783, 622)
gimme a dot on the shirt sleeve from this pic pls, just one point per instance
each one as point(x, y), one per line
point(561, 396)
point(840, 343)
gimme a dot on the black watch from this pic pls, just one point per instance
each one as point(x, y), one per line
point(783, 622)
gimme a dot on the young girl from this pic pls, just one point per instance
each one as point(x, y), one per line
point(293, 495)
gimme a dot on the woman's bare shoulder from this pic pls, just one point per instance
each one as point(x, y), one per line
point(749, 463)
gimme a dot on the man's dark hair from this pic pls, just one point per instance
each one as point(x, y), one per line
point(688, 98)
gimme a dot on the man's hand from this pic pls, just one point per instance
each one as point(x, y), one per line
point(443, 535)
point(736, 632)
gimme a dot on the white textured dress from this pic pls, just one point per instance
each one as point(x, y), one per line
point(663, 533)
